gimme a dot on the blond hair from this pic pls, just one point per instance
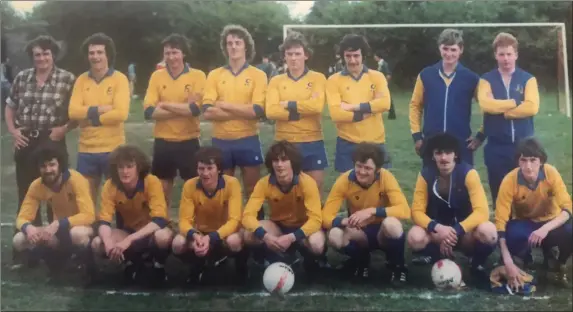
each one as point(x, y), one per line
point(242, 33)
point(504, 39)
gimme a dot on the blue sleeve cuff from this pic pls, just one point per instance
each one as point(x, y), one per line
point(148, 112)
point(417, 136)
point(432, 226)
point(481, 136)
point(358, 116)
point(500, 235)
point(260, 232)
point(159, 221)
point(292, 106)
point(293, 116)
point(64, 224)
point(206, 106)
point(214, 237)
point(93, 116)
point(459, 229)
point(563, 209)
point(337, 222)
point(259, 111)
point(24, 226)
point(299, 234)
point(381, 212)
point(195, 111)
point(190, 234)
point(100, 223)
point(365, 108)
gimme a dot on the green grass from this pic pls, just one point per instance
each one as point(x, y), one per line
point(22, 289)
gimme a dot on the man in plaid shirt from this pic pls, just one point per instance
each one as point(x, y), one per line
point(37, 110)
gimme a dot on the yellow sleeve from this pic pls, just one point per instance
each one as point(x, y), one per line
point(333, 97)
point(211, 96)
point(107, 203)
point(30, 205)
point(259, 93)
point(416, 109)
point(490, 105)
point(420, 203)
point(559, 189)
point(77, 110)
point(530, 105)
point(334, 201)
point(152, 94)
point(273, 109)
point(187, 209)
point(313, 209)
point(257, 199)
point(314, 105)
point(86, 215)
point(478, 199)
point(235, 209)
point(381, 102)
point(398, 207)
point(121, 100)
point(157, 203)
point(504, 203)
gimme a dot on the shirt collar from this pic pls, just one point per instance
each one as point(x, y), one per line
point(540, 177)
point(441, 68)
point(65, 178)
point(185, 70)
point(273, 181)
point(109, 72)
point(299, 78)
point(139, 187)
point(228, 67)
point(352, 177)
point(220, 185)
point(49, 79)
point(345, 72)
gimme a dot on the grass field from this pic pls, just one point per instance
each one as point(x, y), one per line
point(30, 290)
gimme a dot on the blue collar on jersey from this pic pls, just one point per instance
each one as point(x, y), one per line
point(185, 70)
point(109, 72)
point(540, 177)
point(345, 72)
point(220, 185)
point(352, 177)
point(228, 67)
point(273, 181)
point(65, 178)
point(297, 79)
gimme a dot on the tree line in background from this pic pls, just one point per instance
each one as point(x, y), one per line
point(138, 28)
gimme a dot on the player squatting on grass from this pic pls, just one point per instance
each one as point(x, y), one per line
point(449, 208)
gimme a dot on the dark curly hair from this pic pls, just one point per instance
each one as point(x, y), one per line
point(126, 154)
point(100, 39)
point(280, 150)
point(44, 42)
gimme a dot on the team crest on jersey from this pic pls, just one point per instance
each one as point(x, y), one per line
point(298, 199)
point(164, 87)
point(187, 88)
point(372, 87)
point(309, 85)
point(71, 196)
point(247, 82)
point(109, 90)
point(519, 89)
point(357, 197)
point(550, 193)
point(145, 206)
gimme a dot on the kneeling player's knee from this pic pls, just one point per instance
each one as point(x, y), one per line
point(178, 245)
point(97, 245)
point(417, 238)
point(392, 228)
point(250, 239)
point(486, 233)
point(20, 241)
point(163, 238)
point(81, 235)
point(336, 238)
point(316, 243)
point(234, 242)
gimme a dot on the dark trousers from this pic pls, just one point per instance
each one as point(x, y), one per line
point(27, 170)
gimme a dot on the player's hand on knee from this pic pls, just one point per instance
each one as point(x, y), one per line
point(273, 243)
point(33, 234)
point(359, 218)
point(447, 233)
point(537, 237)
point(446, 250)
point(285, 241)
point(49, 231)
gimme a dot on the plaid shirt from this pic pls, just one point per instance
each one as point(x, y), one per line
point(41, 108)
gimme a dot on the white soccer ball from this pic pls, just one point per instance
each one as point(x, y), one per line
point(446, 274)
point(278, 278)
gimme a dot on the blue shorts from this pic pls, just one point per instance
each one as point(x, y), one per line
point(93, 164)
point(287, 229)
point(371, 231)
point(313, 155)
point(343, 158)
point(245, 152)
point(517, 234)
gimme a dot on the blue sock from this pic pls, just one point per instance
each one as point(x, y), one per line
point(352, 249)
point(480, 253)
point(395, 250)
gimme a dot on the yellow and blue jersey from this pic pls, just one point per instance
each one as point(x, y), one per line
point(370, 90)
point(163, 87)
point(385, 194)
point(100, 133)
point(300, 121)
point(246, 87)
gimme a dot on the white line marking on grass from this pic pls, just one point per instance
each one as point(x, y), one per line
point(7, 224)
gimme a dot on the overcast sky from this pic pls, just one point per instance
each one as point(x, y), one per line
point(297, 8)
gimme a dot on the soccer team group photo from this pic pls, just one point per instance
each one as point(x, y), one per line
point(210, 194)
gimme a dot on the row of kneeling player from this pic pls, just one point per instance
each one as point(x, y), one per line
point(449, 211)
